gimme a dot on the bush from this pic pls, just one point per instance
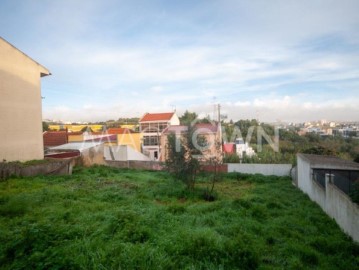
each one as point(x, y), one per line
point(231, 158)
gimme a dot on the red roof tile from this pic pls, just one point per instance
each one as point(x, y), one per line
point(157, 117)
point(229, 148)
point(119, 131)
point(54, 138)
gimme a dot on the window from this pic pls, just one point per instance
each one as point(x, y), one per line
point(150, 140)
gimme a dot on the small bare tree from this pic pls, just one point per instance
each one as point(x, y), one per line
point(180, 160)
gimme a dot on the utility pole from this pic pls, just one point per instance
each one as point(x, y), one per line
point(219, 112)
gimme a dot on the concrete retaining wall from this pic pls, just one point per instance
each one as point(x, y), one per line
point(332, 200)
point(265, 169)
point(52, 167)
point(343, 210)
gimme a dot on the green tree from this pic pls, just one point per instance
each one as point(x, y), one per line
point(319, 150)
point(182, 156)
point(45, 126)
point(188, 117)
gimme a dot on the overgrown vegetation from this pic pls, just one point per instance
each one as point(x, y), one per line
point(290, 143)
point(182, 156)
point(107, 218)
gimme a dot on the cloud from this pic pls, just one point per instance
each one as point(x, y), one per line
point(130, 57)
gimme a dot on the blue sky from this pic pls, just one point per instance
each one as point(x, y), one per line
point(275, 60)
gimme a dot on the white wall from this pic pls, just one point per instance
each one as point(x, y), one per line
point(20, 105)
point(331, 199)
point(265, 169)
point(123, 153)
point(343, 210)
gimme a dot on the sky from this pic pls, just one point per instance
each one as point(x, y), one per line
point(290, 61)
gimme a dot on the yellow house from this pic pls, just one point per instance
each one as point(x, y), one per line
point(130, 139)
point(128, 126)
point(127, 137)
point(75, 137)
point(20, 105)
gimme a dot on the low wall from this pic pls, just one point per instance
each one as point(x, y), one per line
point(223, 168)
point(346, 213)
point(134, 164)
point(51, 167)
point(265, 169)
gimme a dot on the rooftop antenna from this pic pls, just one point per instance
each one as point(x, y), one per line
point(173, 107)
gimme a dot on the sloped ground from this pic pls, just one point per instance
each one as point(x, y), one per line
point(106, 218)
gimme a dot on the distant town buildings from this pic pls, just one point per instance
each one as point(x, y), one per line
point(324, 128)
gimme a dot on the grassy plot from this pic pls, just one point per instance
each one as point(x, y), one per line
point(106, 218)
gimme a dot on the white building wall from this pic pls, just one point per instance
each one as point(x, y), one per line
point(20, 105)
point(304, 176)
point(265, 169)
point(123, 153)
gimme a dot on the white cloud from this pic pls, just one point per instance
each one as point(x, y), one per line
point(108, 60)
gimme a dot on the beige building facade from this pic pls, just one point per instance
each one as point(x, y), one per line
point(20, 105)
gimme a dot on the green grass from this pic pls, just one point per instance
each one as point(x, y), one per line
point(106, 218)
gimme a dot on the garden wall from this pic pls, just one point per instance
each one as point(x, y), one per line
point(265, 169)
point(48, 167)
point(343, 210)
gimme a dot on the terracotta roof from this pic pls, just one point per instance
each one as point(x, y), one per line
point(102, 138)
point(157, 117)
point(54, 138)
point(119, 131)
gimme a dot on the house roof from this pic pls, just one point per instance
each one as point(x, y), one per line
point(329, 162)
point(54, 138)
point(119, 131)
point(43, 71)
point(101, 138)
point(149, 117)
point(80, 146)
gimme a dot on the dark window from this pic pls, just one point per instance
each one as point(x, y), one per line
point(342, 179)
point(319, 177)
point(150, 140)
